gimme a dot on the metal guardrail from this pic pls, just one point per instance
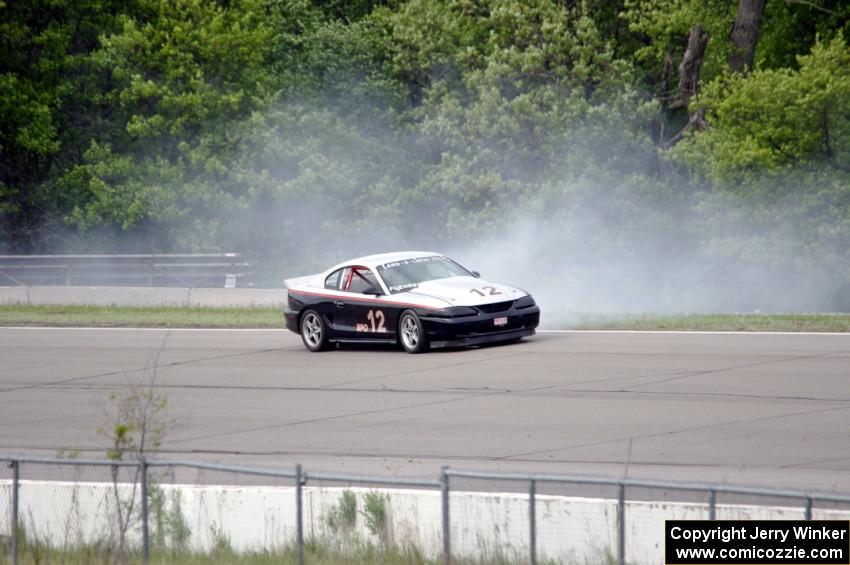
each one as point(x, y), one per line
point(183, 270)
point(302, 478)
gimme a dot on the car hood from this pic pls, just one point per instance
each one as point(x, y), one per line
point(465, 291)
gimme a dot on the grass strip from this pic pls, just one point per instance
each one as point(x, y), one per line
point(140, 316)
point(270, 317)
point(711, 322)
point(314, 553)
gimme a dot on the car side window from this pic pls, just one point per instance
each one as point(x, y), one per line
point(361, 279)
point(332, 281)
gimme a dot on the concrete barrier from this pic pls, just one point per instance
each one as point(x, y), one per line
point(14, 295)
point(142, 296)
point(109, 295)
point(484, 526)
point(237, 297)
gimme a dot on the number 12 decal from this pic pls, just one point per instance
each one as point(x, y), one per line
point(376, 320)
point(481, 292)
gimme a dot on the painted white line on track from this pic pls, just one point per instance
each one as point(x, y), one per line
point(688, 332)
point(125, 329)
point(660, 332)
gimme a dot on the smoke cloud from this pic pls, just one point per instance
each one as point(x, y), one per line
point(314, 184)
point(582, 245)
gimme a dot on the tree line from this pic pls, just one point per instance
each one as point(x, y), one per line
point(285, 127)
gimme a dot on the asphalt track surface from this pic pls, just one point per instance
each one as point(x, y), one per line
point(760, 409)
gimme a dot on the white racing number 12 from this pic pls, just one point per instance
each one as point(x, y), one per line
point(492, 291)
point(376, 320)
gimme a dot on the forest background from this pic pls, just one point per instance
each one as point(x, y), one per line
point(648, 155)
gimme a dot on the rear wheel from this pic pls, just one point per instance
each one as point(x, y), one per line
point(411, 333)
point(314, 332)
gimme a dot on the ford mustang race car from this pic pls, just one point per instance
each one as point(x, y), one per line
point(419, 299)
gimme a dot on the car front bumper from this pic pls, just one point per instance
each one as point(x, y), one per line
point(480, 329)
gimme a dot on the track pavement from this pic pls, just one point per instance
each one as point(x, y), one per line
point(762, 409)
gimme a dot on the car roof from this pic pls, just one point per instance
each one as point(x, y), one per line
point(373, 261)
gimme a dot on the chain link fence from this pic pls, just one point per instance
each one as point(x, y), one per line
point(100, 511)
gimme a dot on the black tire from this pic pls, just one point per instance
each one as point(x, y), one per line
point(411, 333)
point(314, 331)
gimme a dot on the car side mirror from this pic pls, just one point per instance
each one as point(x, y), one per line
point(374, 291)
point(476, 274)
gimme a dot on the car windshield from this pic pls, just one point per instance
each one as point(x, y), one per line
point(401, 276)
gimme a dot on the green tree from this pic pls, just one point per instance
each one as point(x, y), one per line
point(776, 163)
point(48, 105)
point(512, 95)
point(180, 77)
point(664, 26)
point(779, 119)
point(791, 28)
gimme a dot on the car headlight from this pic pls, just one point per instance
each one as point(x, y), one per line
point(454, 312)
point(525, 302)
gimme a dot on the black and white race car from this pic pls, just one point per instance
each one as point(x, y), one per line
point(419, 299)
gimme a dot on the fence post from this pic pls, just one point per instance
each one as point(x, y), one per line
point(143, 471)
point(808, 508)
point(712, 504)
point(16, 483)
point(299, 515)
point(621, 524)
point(444, 490)
point(532, 522)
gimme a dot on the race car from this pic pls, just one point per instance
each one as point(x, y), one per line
point(419, 299)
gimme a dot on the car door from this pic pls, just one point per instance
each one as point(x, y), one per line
point(365, 314)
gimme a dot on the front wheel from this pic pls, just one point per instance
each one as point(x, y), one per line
point(314, 332)
point(411, 333)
